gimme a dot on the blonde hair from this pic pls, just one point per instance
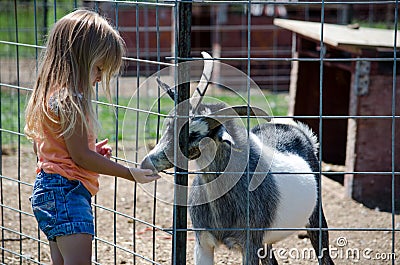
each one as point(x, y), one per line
point(75, 44)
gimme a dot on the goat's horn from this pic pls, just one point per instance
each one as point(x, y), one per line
point(225, 114)
point(201, 88)
point(167, 88)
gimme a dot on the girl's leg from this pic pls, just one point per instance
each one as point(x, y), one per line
point(76, 249)
point(56, 257)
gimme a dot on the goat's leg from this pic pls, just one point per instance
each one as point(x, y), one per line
point(203, 250)
point(268, 258)
point(314, 236)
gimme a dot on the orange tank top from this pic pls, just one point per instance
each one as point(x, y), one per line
point(53, 157)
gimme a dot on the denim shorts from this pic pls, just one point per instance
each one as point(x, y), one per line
point(61, 206)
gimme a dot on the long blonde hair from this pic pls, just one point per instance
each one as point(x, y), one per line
point(75, 44)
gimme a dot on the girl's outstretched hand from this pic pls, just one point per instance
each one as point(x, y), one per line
point(103, 148)
point(143, 175)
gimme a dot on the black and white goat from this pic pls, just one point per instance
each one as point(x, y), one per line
point(264, 178)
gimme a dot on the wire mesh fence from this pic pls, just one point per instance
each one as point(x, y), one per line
point(347, 95)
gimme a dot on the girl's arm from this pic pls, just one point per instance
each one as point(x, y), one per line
point(80, 153)
point(34, 147)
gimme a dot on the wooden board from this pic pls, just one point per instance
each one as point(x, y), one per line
point(340, 36)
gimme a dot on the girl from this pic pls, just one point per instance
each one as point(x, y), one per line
point(82, 49)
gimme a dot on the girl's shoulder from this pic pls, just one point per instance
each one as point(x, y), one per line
point(53, 105)
point(59, 100)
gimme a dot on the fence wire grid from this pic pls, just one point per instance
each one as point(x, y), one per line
point(348, 96)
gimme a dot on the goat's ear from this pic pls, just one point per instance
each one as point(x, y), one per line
point(240, 111)
point(170, 91)
point(220, 116)
point(224, 136)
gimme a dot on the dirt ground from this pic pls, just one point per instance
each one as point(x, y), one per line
point(118, 201)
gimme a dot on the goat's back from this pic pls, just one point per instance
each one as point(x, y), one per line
point(287, 138)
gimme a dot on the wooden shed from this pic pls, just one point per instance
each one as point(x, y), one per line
point(357, 103)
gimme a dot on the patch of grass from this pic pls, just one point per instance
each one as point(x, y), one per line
point(12, 114)
point(276, 102)
point(377, 25)
point(27, 24)
point(146, 124)
point(123, 120)
point(132, 124)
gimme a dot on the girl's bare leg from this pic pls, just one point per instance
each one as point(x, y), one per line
point(75, 249)
point(56, 257)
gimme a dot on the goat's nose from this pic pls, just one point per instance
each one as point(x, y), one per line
point(148, 164)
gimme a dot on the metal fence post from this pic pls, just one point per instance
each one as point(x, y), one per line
point(181, 177)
